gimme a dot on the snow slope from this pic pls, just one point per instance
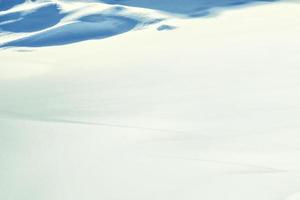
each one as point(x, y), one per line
point(52, 22)
point(209, 110)
point(191, 8)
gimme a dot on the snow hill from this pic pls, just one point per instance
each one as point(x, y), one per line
point(149, 100)
point(49, 23)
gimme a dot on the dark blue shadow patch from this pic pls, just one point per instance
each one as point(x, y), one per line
point(36, 20)
point(87, 28)
point(7, 4)
point(165, 28)
point(182, 7)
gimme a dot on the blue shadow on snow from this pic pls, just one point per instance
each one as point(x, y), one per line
point(7, 4)
point(39, 19)
point(190, 8)
point(97, 26)
point(87, 28)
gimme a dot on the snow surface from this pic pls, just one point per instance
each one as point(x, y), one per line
point(209, 110)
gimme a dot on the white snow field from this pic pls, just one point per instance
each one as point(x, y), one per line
point(206, 109)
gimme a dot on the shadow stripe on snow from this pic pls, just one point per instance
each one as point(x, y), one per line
point(7, 4)
point(86, 28)
point(188, 8)
point(32, 20)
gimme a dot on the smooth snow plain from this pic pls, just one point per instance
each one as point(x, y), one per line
point(207, 110)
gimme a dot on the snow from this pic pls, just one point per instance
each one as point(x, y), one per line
point(183, 7)
point(88, 27)
point(209, 110)
point(47, 23)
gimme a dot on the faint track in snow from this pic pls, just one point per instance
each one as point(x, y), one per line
point(257, 168)
point(9, 114)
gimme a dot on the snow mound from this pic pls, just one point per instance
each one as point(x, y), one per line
point(50, 22)
point(33, 20)
point(89, 27)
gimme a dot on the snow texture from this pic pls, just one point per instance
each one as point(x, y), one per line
point(96, 103)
